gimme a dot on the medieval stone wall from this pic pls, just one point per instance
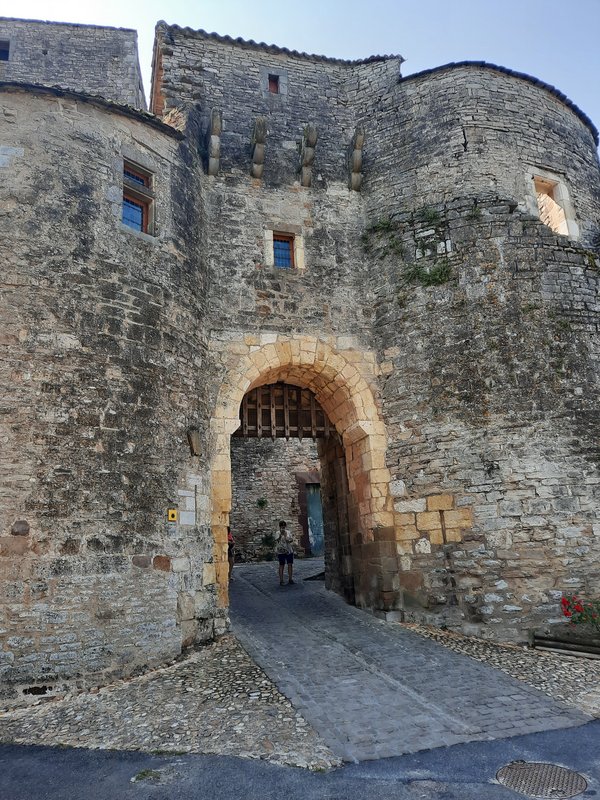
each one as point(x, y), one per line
point(84, 58)
point(216, 73)
point(477, 132)
point(487, 328)
point(265, 489)
point(493, 437)
point(100, 378)
point(449, 335)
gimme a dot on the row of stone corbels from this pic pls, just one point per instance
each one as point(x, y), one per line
point(307, 157)
point(356, 159)
point(259, 141)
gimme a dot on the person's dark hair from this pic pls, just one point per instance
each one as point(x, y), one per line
point(282, 524)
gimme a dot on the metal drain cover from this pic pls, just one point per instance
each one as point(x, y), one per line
point(541, 780)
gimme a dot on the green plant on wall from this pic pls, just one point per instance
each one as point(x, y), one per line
point(474, 213)
point(428, 275)
point(429, 216)
point(383, 239)
point(384, 225)
point(268, 540)
point(262, 502)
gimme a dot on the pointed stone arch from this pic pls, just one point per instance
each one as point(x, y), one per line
point(342, 383)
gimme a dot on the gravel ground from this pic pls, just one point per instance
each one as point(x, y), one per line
point(215, 701)
point(574, 680)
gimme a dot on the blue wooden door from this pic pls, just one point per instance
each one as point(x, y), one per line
point(314, 511)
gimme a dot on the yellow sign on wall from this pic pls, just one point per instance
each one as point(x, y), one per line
point(172, 515)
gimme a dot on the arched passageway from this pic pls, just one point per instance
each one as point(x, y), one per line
point(359, 514)
point(284, 452)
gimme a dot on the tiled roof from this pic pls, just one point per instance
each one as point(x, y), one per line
point(93, 99)
point(272, 48)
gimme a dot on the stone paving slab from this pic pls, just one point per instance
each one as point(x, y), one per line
point(374, 689)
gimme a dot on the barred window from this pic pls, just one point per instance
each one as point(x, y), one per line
point(283, 250)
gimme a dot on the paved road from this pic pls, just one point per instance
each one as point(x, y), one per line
point(373, 689)
point(463, 772)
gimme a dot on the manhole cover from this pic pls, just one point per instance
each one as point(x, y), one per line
point(541, 780)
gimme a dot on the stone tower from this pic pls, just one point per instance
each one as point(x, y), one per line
point(410, 263)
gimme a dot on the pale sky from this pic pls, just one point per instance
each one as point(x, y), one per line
point(554, 40)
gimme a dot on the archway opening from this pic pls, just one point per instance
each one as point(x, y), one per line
point(288, 462)
point(356, 454)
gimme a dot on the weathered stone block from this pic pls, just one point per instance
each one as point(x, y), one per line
point(20, 528)
point(208, 575)
point(13, 546)
point(406, 533)
point(436, 536)
point(162, 563)
point(440, 502)
point(461, 518)
point(416, 505)
point(186, 609)
point(429, 521)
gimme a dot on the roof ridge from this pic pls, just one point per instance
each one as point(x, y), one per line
point(72, 24)
point(94, 99)
point(273, 48)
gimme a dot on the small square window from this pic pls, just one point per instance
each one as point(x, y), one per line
point(4, 50)
point(283, 251)
point(274, 84)
point(137, 198)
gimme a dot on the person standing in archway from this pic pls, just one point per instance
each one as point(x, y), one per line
point(285, 552)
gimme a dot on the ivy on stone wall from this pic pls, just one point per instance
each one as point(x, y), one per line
point(422, 232)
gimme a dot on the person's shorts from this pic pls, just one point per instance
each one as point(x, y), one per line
point(285, 558)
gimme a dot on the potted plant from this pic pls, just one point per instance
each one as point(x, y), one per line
point(581, 635)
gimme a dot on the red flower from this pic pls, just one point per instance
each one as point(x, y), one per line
point(567, 613)
point(578, 607)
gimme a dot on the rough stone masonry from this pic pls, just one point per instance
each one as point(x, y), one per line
point(450, 336)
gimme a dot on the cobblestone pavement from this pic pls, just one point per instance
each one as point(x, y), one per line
point(575, 681)
point(215, 701)
point(374, 689)
point(370, 688)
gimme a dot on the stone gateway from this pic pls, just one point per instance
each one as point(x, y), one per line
point(414, 261)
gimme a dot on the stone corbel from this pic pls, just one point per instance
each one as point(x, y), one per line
point(309, 142)
point(214, 141)
point(356, 159)
point(358, 430)
point(259, 138)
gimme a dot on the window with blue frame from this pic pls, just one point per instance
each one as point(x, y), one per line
point(283, 250)
point(137, 198)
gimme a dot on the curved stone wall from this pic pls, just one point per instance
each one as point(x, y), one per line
point(487, 327)
point(101, 377)
point(477, 132)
